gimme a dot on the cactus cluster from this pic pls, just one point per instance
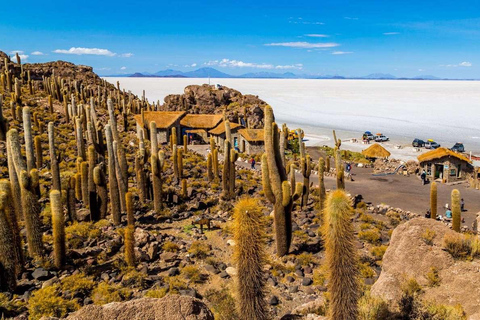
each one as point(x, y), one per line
point(456, 210)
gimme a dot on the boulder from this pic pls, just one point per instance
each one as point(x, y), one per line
point(410, 256)
point(172, 307)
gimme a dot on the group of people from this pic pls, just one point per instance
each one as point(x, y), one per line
point(448, 211)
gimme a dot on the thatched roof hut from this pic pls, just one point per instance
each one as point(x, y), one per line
point(220, 129)
point(201, 121)
point(376, 151)
point(440, 153)
point(252, 135)
point(163, 119)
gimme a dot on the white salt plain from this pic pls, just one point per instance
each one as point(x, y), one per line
point(446, 111)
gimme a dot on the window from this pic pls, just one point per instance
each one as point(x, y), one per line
point(453, 172)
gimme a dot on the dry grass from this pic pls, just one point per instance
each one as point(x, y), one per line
point(462, 246)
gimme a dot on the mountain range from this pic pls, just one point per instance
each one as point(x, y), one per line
point(214, 73)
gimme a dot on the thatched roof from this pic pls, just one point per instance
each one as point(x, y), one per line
point(163, 119)
point(440, 153)
point(197, 131)
point(201, 121)
point(220, 129)
point(252, 135)
point(376, 151)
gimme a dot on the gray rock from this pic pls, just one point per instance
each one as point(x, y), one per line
point(41, 274)
point(307, 281)
point(173, 272)
point(273, 301)
point(293, 289)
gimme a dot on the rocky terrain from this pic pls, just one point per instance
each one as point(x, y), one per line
point(169, 250)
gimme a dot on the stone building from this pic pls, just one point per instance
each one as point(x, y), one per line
point(252, 141)
point(445, 164)
point(165, 121)
point(218, 134)
point(198, 125)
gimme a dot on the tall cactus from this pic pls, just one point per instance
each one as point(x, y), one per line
point(27, 128)
point(185, 144)
point(3, 122)
point(130, 246)
point(8, 260)
point(157, 166)
point(209, 167)
point(456, 210)
point(101, 186)
point(283, 143)
point(341, 256)
point(215, 163)
point(250, 257)
point(321, 184)
point(54, 166)
point(339, 169)
point(180, 163)
point(80, 141)
point(173, 138)
point(433, 200)
point(9, 209)
point(13, 140)
point(71, 204)
point(231, 180)
point(275, 185)
point(38, 151)
point(175, 164)
point(226, 170)
point(306, 165)
point(58, 225)
point(112, 180)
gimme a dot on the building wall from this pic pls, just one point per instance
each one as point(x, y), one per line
point(220, 140)
point(252, 148)
point(454, 169)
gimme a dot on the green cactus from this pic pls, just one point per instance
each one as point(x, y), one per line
point(71, 205)
point(3, 122)
point(130, 216)
point(275, 184)
point(339, 169)
point(101, 187)
point(185, 144)
point(8, 207)
point(130, 245)
point(58, 225)
point(157, 166)
point(226, 170)
point(184, 189)
point(8, 260)
point(341, 256)
point(209, 167)
point(112, 180)
point(173, 138)
point(456, 210)
point(306, 165)
point(27, 128)
point(321, 184)
point(250, 258)
point(433, 200)
point(38, 151)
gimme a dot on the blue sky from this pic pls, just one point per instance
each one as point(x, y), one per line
point(351, 38)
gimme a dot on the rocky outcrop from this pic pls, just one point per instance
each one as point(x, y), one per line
point(171, 307)
point(208, 99)
point(410, 256)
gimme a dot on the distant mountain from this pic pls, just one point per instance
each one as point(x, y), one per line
point(207, 73)
point(379, 76)
point(270, 75)
point(168, 73)
point(426, 77)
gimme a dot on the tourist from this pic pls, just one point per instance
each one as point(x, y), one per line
point(423, 176)
point(448, 214)
point(252, 163)
point(462, 205)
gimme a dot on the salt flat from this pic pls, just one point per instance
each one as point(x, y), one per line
point(446, 111)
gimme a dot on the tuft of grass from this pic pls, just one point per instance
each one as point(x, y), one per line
point(199, 249)
point(378, 252)
point(48, 302)
point(156, 293)
point(106, 293)
point(305, 259)
point(433, 277)
point(428, 235)
point(170, 247)
point(222, 304)
point(77, 284)
point(462, 246)
point(192, 273)
point(372, 308)
point(371, 235)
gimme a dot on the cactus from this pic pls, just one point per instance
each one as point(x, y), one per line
point(157, 166)
point(456, 210)
point(226, 170)
point(101, 186)
point(71, 208)
point(38, 151)
point(184, 189)
point(275, 184)
point(31, 210)
point(250, 257)
point(173, 138)
point(212, 144)
point(232, 168)
point(185, 144)
point(130, 246)
point(140, 176)
point(8, 260)
point(433, 200)
point(112, 180)
point(209, 167)
point(78, 185)
point(58, 225)
point(8, 207)
point(129, 202)
point(80, 141)
point(327, 164)
point(175, 163)
point(153, 138)
point(15, 165)
point(3, 122)
point(321, 184)
point(215, 163)
point(18, 92)
point(291, 174)
point(301, 145)
point(341, 256)
point(50, 104)
point(306, 165)
point(84, 177)
point(339, 169)
point(27, 128)
point(283, 143)
point(180, 163)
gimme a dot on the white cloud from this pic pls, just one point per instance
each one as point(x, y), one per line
point(89, 51)
point(23, 57)
point(37, 53)
point(16, 51)
point(103, 69)
point(315, 35)
point(461, 64)
point(390, 33)
point(123, 68)
point(301, 21)
point(341, 52)
point(305, 45)
point(126, 55)
point(350, 18)
point(194, 64)
point(190, 65)
point(421, 70)
point(241, 64)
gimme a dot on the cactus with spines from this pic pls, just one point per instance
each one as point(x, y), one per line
point(232, 168)
point(11, 216)
point(275, 185)
point(175, 163)
point(80, 141)
point(130, 245)
point(112, 180)
point(15, 165)
point(153, 138)
point(212, 144)
point(456, 210)
point(341, 256)
point(84, 177)
point(184, 189)
point(27, 128)
point(339, 169)
point(3, 122)
point(291, 173)
point(130, 209)
point(180, 163)
point(50, 104)
point(18, 111)
point(71, 208)
point(173, 138)
point(209, 167)
point(301, 145)
point(306, 166)
point(78, 185)
point(38, 151)
point(140, 175)
point(157, 167)
point(321, 184)
point(250, 258)
point(92, 162)
point(31, 210)
point(101, 186)
point(228, 132)
point(283, 143)
point(433, 200)
point(226, 170)
point(215, 163)
point(327, 164)
point(8, 260)
point(58, 226)
point(185, 144)
point(18, 92)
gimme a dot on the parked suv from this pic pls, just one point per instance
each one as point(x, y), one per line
point(418, 143)
point(381, 138)
point(431, 145)
point(458, 147)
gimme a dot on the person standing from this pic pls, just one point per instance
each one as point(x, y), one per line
point(423, 176)
point(252, 163)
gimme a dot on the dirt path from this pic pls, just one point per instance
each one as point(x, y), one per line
point(397, 191)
